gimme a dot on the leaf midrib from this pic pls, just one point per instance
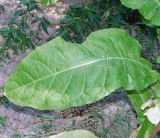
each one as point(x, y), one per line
point(84, 64)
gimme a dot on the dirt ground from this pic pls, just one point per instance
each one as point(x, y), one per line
point(112, 117)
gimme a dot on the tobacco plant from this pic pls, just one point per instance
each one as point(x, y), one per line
point(62, 74)
point(150, 9)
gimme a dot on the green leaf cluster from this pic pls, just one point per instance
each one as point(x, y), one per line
point(20, 33)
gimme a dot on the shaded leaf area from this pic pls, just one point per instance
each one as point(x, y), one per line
point(61, 74)
point(150, 9)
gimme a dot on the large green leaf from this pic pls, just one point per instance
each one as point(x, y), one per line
point(150, 9)
point(75, 134)
point(61, 74)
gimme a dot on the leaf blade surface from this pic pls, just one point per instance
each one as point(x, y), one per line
point(61, 74)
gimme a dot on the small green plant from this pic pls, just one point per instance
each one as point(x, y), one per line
point(23, 30)
point(16, 135)
point(4, 101)
point(3, 53)
point(3, 121)
point(46, 128)
point(48, 2)
point(2, 9)
point(102, 133)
